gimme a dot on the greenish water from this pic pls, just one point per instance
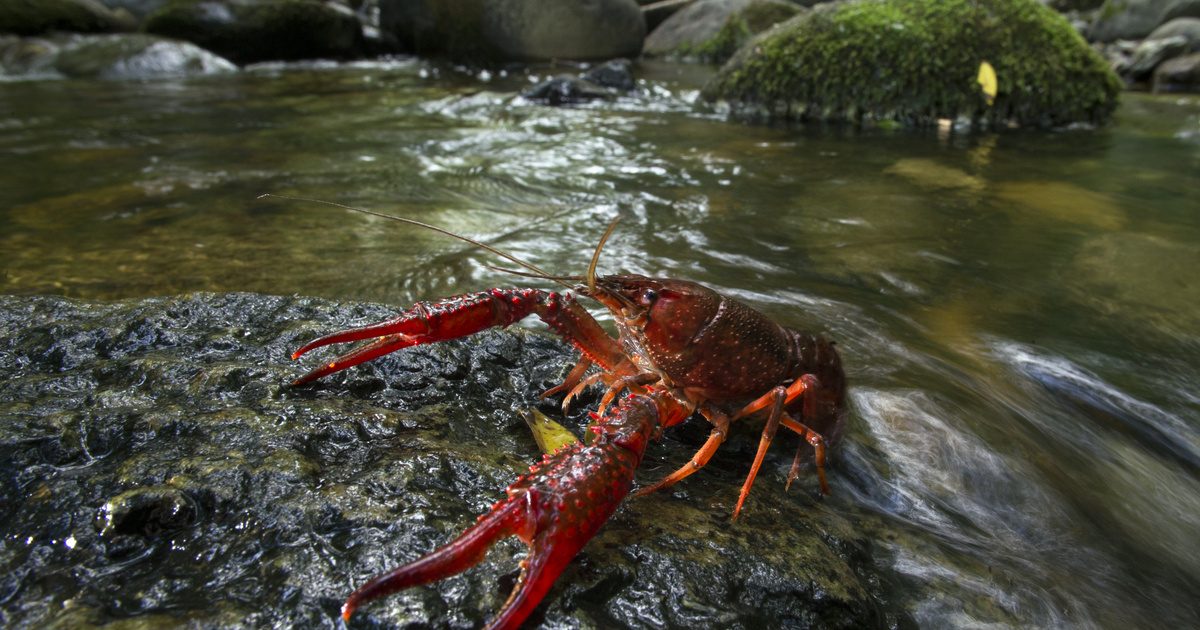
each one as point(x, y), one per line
point(1018, 313)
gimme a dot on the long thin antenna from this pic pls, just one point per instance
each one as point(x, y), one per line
point(503, 254)
point(591, 273)
point(529, 274)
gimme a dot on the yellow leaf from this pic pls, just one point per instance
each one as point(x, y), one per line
point(549, 435)
point(987, 81)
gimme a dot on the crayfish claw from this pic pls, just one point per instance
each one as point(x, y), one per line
point(459, 555)
point(556, 509)
point(379, 347)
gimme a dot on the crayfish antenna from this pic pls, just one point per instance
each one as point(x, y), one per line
point(459, 555)
point(591, 272)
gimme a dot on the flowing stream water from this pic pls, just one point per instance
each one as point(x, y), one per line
point(1019, 313)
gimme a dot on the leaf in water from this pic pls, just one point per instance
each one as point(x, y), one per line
point(987, 81)
point(549, 435)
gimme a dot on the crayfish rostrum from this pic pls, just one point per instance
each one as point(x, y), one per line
point(681, 348)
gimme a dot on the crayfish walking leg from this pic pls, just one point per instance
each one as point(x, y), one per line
point(555, 509)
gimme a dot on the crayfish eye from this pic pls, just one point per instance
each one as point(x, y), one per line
point(648, 297)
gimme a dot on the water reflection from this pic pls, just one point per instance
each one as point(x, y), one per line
point(1018, 313)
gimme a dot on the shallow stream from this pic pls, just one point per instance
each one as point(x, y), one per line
point(1019, 313)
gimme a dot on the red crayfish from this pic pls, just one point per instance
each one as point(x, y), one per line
point(681, 348)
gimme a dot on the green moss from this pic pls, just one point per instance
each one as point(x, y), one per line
point(34, 17)
point(916, 61)
point(738, 29)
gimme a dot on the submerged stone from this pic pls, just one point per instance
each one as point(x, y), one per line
point(157, 469)
point(916, 62)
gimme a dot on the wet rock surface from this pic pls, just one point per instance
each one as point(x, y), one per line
point(156, 466)
point(499, 31)
point(603, 82)
point(713, 30)
point(133, 56)
point(34, 17)
point(261, 30)
point(1134, 19)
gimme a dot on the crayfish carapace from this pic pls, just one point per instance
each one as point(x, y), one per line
point(681, 348)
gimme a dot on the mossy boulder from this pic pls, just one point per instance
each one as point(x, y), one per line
point(263, 30)
point(34, 17)
point(712, 30)
point(492, 31)
point(914, 62)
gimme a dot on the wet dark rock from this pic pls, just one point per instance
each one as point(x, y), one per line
point(262, 30)
point(603, 82)
point(120, 56)
point(136, 56)
point(1150, 53)
point(566, 90)
point(35, 17)
point(1135, 19)
point(148, 511)
point(616, 74)
point(656, 11)
point(1075, 5)
point(488, 31)
point(155, 467)
point(712, 30)
point(138, 8)
point(27, 56)
point(1181, 74)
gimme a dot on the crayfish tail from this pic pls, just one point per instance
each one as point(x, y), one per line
point(451, 559)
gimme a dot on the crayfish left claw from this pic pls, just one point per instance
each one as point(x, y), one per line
point(463, 553)
point(556, 509)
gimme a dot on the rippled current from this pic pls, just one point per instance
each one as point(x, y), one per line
point(1019, 313)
